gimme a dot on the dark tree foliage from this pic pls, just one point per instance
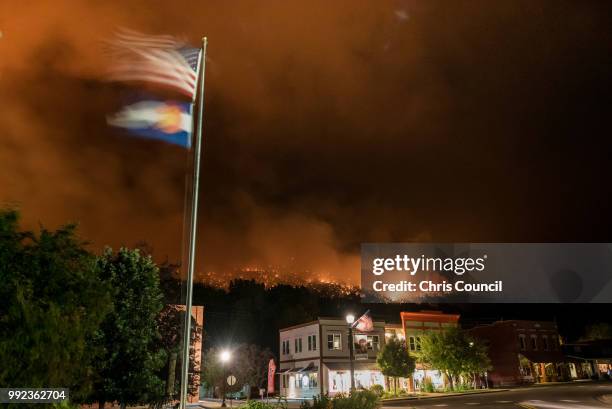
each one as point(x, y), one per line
point(248, 312)
point(129, 336)
point(252, 366)
point(52, 300)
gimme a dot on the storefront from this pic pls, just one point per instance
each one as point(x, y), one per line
point(422, 376)
point(300, 383)
point(338, 375)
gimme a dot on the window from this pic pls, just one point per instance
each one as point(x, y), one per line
point(373, 342)
point(312, 342)
point(418, 343)
point(545, 342)
point(285, 348)
point(333, 342)
point(313, 379)
point(298, 345)
point(534, 342)
point(522, 344)
point(411, 343)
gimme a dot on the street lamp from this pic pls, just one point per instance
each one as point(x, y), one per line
point(350, 319)
point(224, 357)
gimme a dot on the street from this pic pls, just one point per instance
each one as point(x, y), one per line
point(570, 396)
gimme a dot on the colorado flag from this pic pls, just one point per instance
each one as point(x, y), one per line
point(168, 121)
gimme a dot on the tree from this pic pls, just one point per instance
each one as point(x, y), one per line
point(128, 371)
point(394, 360)
point(454, 353)
point(252, 365)
point(477, 358)
point(52, 300)
point(170, 324)
point(597, 331)
point(215, 373)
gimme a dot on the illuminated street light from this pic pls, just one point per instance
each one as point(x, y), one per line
point(350, 318)
point(224, 357)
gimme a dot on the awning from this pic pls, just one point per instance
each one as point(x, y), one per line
point(310, 368)
point(358, 366)
point(289, 370)
point(544, 356)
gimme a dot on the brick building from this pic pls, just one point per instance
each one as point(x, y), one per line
point(523, 352)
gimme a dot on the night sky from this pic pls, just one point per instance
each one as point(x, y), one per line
point(328, 124)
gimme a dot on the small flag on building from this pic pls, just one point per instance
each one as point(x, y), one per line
point(167, 121)
point(159, 59)
point(364, 323)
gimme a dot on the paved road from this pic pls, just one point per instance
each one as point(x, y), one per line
point(571, 396)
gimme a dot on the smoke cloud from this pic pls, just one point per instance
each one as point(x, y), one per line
point(327, 125)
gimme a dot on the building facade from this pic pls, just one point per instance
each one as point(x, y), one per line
point(589, 359)
point(314, 358)
point(523, 352)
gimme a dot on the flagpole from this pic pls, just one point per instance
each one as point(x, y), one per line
point(197, 148)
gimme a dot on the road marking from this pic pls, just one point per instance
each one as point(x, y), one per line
point(569, 400)
point(503, 401)
point(441, 404)
point(472, 403)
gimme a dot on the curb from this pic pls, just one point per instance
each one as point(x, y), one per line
point(607, 399)
point(451, 395)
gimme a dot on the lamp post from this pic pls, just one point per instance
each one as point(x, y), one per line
point(350, 319)
point(224, 357)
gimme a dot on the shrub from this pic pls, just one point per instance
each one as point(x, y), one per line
point(378, 390)
point(259, 404)
point(428, 385)
point(318, 402)
point(356, 400)
point(364, 399)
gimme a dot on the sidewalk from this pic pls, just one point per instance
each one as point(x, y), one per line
point(216, 403)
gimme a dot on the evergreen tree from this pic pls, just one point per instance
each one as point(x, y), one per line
point(133, 355)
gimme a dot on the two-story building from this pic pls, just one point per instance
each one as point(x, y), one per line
point(523, 352)
point(314, 358)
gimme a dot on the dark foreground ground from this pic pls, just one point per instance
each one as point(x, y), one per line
point(581, 395)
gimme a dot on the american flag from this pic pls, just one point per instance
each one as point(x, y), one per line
point(364, 323)
point(159, 59)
